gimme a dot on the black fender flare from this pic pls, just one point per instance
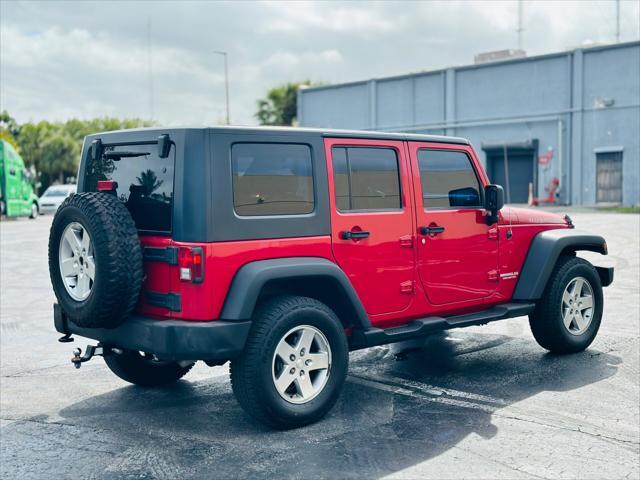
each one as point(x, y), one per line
point(544, 251)
point(250, 278)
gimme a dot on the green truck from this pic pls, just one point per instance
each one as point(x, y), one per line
point(17, 198)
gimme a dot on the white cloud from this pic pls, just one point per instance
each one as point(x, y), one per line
point(65, 59)
point(349, 18)
point(77, 48)
point(291, 59)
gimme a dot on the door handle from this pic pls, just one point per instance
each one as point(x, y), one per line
point(431, 230)
point(353, 234)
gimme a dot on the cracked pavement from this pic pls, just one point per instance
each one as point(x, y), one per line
point(482, 402)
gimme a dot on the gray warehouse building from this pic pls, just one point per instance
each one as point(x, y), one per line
point(568, 124)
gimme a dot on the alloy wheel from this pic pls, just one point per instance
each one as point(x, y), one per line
point(301, 364)
point(77, 265)
point(577, 306)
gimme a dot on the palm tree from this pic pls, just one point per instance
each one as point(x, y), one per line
point(280, 105)
point(149, 182)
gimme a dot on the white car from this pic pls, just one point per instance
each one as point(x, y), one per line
point(54, 196)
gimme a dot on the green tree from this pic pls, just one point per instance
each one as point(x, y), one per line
point(53, 148)
point(280, 107)
point(9, 129)
point(60, 157)
point(149, 182)
point(31, 139)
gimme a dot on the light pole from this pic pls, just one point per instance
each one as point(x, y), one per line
point(226, 80)
point(617, 21)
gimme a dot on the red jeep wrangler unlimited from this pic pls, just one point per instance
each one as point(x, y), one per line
point(283, 249)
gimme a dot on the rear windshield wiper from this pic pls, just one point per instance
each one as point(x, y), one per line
point(119, 155)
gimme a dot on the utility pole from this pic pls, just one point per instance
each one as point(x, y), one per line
point(617, 21)
point(519, 30)
point(226, 80)
point(150, 68)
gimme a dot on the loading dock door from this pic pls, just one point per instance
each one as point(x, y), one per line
point(609, 177)
point(520, 168)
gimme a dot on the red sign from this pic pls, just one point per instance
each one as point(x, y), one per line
point(545, 157)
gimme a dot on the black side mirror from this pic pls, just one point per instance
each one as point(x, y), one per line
point(493, 202)
point(164, 146)
point(464, 197)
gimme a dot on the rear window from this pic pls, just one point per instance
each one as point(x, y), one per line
point(145, 182)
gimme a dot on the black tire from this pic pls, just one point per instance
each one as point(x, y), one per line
point(34, 211)
point(546, 320)
point(117, 257)
point(141, 370)
point(251, 374)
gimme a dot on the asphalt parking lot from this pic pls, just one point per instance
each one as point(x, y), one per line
point(483, 402)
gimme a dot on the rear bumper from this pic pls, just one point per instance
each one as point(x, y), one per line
point(168, 339)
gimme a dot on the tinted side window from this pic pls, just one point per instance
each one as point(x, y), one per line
point(272, 179)
point(366, 178)
point(448, 179)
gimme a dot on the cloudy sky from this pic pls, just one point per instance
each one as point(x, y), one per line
point(61, 59)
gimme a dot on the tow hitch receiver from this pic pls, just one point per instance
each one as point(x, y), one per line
point(92, 350)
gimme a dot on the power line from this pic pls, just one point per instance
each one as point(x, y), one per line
point(617, 21)
point(519, 30)
point(226, 80)
point(150, 65)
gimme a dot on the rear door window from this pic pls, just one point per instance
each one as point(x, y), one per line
point(366, 178)
point(145, 182)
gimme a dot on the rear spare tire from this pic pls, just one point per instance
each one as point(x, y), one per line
point(95, 260)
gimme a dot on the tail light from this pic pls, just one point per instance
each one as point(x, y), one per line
point(107, 185)
point(191, 263)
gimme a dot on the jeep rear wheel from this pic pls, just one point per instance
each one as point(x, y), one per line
point(145, 369)
point(567, 317)
point(294, 363)
point(95, 260)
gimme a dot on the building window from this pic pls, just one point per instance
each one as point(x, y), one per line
point(448, 179)
point(609, 177)
point(366, 178)
point(272, 179)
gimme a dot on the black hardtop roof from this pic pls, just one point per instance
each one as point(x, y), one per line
point(286, 131)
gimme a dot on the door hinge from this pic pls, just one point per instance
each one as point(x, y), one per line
point(493, 275)
point(169, 300)
point(161, 254)
point(492, 233)
point(408, 287)
point(406, 241)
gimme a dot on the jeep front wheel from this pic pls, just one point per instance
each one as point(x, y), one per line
point(294, 363)
point(567, 317)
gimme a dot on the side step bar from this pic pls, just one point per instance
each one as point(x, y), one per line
point(425, 326)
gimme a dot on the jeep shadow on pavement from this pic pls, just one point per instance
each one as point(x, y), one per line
point(392, 415)
point(281, 250)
